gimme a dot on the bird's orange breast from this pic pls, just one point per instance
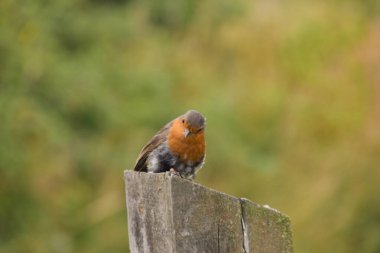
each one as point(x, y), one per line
point(188, 149)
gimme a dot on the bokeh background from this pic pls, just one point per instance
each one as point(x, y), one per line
point(290, 89)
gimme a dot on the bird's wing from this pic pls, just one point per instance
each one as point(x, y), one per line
point(159, 138)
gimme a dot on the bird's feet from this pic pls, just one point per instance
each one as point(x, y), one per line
point(186, 176)
point(173, 172)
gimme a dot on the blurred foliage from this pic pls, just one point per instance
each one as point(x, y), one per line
point(290, 89)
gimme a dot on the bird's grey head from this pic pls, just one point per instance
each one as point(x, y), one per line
point(194, 121)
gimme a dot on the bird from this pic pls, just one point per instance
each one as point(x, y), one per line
point(179, 147)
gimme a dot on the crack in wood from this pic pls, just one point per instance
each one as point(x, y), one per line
point(244, 229)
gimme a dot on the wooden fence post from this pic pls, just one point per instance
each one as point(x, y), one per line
point(167, 214)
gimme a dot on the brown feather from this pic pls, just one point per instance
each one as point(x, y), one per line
point(159, 138)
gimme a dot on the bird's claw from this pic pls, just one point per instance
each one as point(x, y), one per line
point(173, 172)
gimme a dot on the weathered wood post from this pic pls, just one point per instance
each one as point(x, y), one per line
point(168, 214)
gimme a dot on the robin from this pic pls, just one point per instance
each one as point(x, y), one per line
point(178, 147)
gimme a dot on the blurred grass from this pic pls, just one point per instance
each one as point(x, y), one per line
point(291, 92)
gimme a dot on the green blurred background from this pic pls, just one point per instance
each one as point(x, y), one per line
point(290, 89)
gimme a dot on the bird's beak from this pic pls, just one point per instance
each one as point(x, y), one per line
point(186, 132)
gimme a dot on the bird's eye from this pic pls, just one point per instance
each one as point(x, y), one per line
point(183, 121)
